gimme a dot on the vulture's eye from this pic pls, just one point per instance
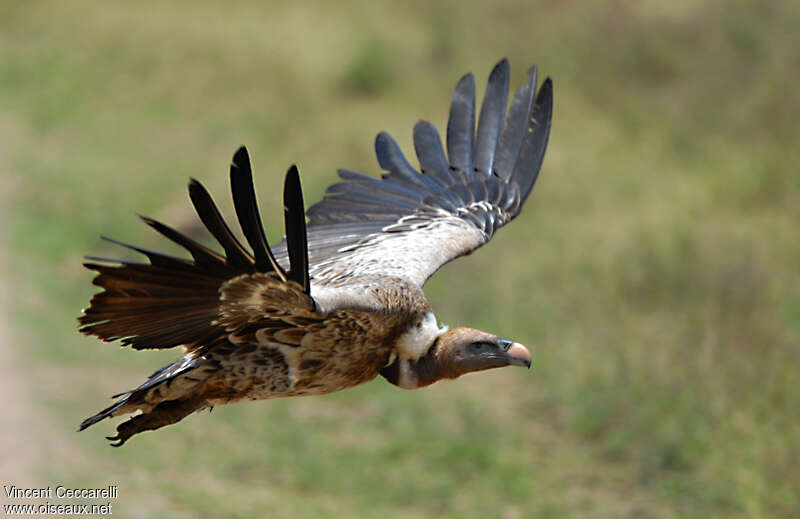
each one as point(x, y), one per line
point(479, 347)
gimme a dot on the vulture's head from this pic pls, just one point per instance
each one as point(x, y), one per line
point(454, 353)
point(464, 350)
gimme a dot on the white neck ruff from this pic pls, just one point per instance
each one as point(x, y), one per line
point(416, 342)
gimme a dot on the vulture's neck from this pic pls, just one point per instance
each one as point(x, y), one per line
point(419, 338)
point(413, 374)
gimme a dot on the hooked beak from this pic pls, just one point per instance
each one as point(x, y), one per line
point(518, 355)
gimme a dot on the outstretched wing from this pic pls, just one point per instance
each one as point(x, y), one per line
point(409, 223)
point(173, 301)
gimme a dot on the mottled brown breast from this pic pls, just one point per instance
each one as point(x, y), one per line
point(277, 349)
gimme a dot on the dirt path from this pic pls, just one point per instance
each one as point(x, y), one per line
point(17, 451)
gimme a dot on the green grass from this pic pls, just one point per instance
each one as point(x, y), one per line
point(653, 273)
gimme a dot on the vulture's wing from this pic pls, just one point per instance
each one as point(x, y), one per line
point(408, 223)
point(172, 301)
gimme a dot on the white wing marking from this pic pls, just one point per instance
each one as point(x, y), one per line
point(413, 254)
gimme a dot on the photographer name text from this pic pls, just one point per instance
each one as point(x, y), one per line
point(61, 492)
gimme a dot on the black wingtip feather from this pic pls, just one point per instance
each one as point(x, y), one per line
point(391, 159)
point(490, 122)
point(241, 158)
point(531, 155)
point(430, 153)
point(236, 254)
point(201, 254)
point(515, 126)
point(155, 258)
point(295, 220)
point(461, 127)
point(244, 200)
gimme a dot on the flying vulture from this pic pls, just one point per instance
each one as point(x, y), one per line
point(339, 300)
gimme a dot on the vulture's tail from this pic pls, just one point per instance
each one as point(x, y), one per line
point(168, 395)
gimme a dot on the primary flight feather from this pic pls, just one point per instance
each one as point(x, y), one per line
point(339, 301)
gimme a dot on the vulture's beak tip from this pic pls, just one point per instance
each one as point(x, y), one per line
point(519, 355)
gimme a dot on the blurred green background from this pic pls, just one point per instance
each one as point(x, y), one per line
point(653, 273)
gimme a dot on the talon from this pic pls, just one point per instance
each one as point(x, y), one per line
point(116, 441)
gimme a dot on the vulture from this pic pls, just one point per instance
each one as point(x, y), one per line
point(339, 300)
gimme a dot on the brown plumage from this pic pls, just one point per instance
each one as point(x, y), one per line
point(339, 300)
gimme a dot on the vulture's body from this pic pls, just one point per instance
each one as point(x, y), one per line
point(339, 301)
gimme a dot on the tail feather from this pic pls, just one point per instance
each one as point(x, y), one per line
point(108, 412)
point(171, 389)
point(165, 413)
